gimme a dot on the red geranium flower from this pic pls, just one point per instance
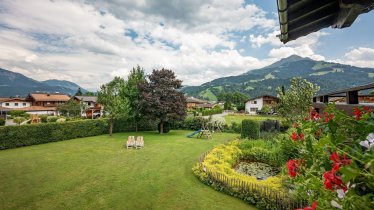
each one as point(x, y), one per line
point(357, 113)
point(331, 181)
point(301, 136)
point(337, 161)
point(314, 207)
point(294, 136)
point(293, 167)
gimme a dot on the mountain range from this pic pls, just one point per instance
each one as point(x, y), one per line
point(329, 76)
point(16, 84)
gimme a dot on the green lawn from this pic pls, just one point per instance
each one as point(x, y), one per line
point(238, 118)
point(98, 173)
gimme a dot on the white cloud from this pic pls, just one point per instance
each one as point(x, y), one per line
point(85, 41)
point(361, 57)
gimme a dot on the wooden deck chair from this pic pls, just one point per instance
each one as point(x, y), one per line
point(139, 142)
point(130, 142)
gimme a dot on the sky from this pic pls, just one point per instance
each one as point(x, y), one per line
point(91, 41)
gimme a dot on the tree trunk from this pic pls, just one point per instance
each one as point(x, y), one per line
point(110, 127)
point(161, 127)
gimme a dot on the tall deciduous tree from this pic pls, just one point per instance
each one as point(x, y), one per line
point(295, 102)
point(114, 102)
point(160, 98)
point(70, 109)
point(131, 92)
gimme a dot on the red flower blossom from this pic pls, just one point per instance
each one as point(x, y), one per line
point(328, 116)
point(367, 109)
point(293, 167)
point(294, 136)
point(357, 113)
point(314, 207)
point(332, 181)
point(337, 161)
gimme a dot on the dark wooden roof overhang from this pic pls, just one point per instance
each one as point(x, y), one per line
point(299, 18)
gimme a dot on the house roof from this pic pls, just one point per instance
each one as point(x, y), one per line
point(87, 98)
point(251, 99)
point(299, 18)
point(12, 99)
point(30, 108)
point(195, 100)
point(205, 105)
point(49, 97)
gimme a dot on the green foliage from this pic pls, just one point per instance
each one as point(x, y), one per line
point(194, 123)
point(43, 118)
point(51, 119)
point(70, 109)
point(24, 135)
point(335, 154)
point(131, 92)
point(266, 109)
point(208, 112)
point(160, 98)
point(2, 121)
point(250, 129)
point(236, 99)
point(296, 101)
point(18, 113)
point(111, 96)
point(270, 126)
point(234, 127)
point(19, 120)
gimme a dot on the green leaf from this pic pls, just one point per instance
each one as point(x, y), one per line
point(349, 173)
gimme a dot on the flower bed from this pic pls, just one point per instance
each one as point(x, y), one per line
point(216, 168)
point(334, 166)
point(259, 170)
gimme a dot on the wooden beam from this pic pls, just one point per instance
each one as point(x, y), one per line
point(352, 97)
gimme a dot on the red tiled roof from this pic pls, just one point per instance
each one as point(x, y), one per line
point(30, 108)
point(11, 99)
point(49, 97)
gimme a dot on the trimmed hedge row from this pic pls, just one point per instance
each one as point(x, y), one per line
point(25, 135)
point(212, 112)
point(250, 129)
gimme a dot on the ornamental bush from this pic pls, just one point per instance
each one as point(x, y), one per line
point(250, 129)
point(333, 168)
point(51, 119)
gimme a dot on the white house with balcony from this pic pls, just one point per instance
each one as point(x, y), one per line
point(254, 105)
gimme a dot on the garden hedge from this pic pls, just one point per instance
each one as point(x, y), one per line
point(2, 121)
point(25, 135)
point(250, 129)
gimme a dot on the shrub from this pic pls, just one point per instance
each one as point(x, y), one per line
point(52, 119)
point(25, 135)
point(233, 128)
point(212, 111)
point(60, 120)
point(43, 118)
point(250, 129)
point(270, 126)
point(2, 121)
point(19, 120)
point(194, 123)
point(17, 113)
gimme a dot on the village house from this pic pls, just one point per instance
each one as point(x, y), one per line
point(89, 106)
point(254, 105)
point(193, 103)
point(45, 103)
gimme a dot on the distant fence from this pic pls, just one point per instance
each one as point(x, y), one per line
point(251, 192)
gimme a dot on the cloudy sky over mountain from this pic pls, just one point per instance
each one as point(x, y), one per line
point(89, 42)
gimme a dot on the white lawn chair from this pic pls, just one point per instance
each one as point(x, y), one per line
point(130, 142)
point(139, 142)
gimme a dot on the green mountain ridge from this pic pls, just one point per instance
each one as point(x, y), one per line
point(329, 76)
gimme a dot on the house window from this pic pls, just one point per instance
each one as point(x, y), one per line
point(24, 104)
point(6, 104)
point(254, 109)
point(15, 104)
point(254, 102)
point(89, 103)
